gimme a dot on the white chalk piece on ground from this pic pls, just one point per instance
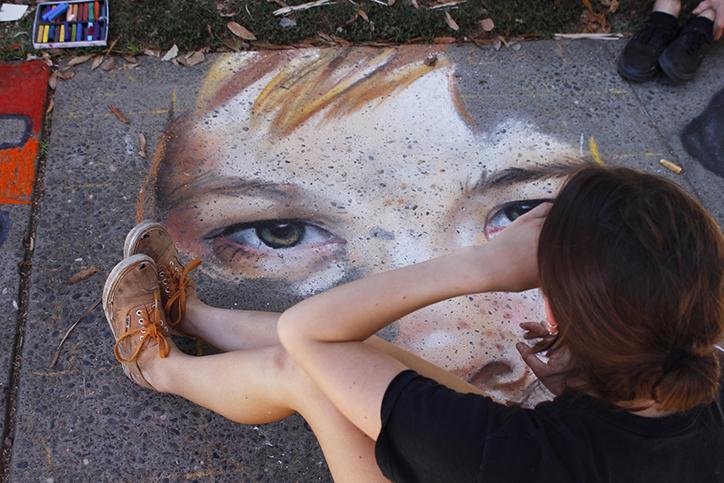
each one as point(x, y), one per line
point(9, 12)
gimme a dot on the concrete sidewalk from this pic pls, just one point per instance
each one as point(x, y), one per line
point(82, 420)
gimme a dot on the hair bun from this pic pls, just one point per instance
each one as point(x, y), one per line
point(688, 380)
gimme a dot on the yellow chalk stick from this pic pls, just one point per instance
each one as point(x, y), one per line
point(40, 33)
point(593, 146)
point(46, 31)
point(673, 167)
point(61, 37)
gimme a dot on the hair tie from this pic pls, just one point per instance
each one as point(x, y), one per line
point(674, 358)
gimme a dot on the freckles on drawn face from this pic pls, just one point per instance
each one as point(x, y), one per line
point(376, 190)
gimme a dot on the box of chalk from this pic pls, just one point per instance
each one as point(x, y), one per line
point(78, 23)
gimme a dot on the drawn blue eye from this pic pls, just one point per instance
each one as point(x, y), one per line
point(503, 215)
point(276, 234)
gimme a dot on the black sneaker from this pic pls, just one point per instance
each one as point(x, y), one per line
point(683, 56)
point(638, 61)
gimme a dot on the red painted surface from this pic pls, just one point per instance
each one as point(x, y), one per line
point(23, 90)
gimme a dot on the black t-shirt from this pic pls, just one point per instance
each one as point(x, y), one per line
point(432, 433)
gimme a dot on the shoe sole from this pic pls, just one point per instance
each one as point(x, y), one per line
point(629, 75)
point(129, 245)
point(120, 269)
point(668, 68)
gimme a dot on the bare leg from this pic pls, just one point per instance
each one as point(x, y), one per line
point(260, 386)
point(232, 330)
point(672, 7)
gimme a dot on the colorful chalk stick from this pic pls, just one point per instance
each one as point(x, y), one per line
point(39, 37)
point(79, 33)
point(72, 32)
point(95, 9)
point(91, 12)
point(89, 31)
point(61, 34)
point(85, 12)
point(56, 12)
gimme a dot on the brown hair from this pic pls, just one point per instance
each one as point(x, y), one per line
point(633, 270)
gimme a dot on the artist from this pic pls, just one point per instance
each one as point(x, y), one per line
point(632, 270)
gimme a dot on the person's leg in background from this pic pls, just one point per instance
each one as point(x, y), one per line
point(685, 54)
point(639, 59)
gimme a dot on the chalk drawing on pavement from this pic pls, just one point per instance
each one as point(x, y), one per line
point(22, 107)
point(300, 170)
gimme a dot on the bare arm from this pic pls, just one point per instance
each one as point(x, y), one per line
point(324, 334)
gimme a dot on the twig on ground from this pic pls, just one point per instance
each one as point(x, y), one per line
point(85, 314)
point(303, 6)
point(588, 36)
point(446, 5)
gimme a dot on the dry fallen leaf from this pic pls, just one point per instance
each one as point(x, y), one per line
point(142, 145)
point(431, 60)
point(391, 2)
point(450, 22)
point(363, 14)
point(53, 80)
point(83, 275)
point(444, 40)
point(51, 105)
point(240, 31)
point(46, 58)
point(151, 53)
point(131, 59)
point(613, 8)
point(195, 58)
point(66, 74)
point(516, 46)
point(117, 112)
point(171, 54)
point(108, 64)
point(78, 60)
point(487, 24)
point(97, 61)
point(415, 4)
point(234, 44)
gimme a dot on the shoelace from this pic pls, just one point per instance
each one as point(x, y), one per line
point(179, 295)
point(150, 331)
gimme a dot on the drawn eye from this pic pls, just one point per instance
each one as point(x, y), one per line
point(503, 215)
point(275, 234)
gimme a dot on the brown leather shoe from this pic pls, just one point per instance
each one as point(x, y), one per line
point(154, 240)
point(132, 303)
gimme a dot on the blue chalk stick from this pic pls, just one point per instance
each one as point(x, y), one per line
point(62, 7)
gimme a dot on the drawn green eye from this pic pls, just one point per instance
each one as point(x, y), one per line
point(280, 235)
point(275, 234)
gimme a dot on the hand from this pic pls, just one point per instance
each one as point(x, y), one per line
point(718, 7)
point(510, 260)
point(552, 373)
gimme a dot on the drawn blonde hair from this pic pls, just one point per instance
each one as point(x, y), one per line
point(297, 85)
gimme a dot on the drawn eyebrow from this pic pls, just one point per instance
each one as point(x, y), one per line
point(511, 176)
point(212, 183)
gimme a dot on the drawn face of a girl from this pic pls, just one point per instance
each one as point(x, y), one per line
point(395, 180)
